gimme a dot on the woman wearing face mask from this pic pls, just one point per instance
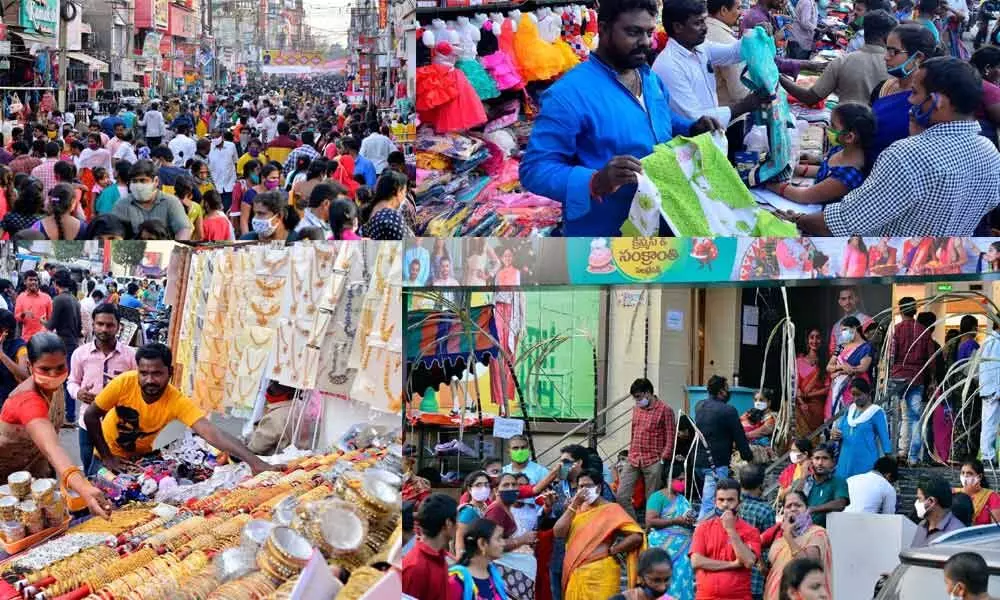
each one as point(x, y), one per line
point(244, 191)
point(985, 502)
point(272, 219)
point(517, 565)
point(13, 354)
point(670, 521)
point(907, 47)
point(863, 432)
point(475, 576)
point(795, 536)
point(476, 496)
point(804, 579)
point(853, 361)
point(656, 578)
point(758, 425)
point(596, 531)
point(31, 417)
point(800, 455)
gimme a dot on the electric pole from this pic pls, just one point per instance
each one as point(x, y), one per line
point(63, 58)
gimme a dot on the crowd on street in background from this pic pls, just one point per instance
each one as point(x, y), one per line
point(692, 493)
point(278, 159)
point(911, 142)
point(63, 366)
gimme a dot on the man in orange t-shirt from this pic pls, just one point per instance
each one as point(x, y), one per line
point(32, 307)
point(724, 549)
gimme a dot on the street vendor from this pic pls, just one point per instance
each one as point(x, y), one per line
point(134, 407)
point(31, 417)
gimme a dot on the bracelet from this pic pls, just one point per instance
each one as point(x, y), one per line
point(781, 190)
point(593, 179)
point(64, 478)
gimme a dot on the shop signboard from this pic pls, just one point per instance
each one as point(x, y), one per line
point(162, 13)
point(40, 15)
point(727, 261)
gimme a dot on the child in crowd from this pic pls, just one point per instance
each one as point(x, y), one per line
point(102, 180)
point(344, 220)
point(850, 135)
point(215, 225)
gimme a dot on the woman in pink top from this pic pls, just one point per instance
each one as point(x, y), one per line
point(855, 258)
point(344, 219)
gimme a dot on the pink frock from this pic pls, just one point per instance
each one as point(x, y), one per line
point(503, 70)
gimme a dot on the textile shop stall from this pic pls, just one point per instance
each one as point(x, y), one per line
point(323, 319)
point(237, 536)
point(440, 345)
point(480, 72)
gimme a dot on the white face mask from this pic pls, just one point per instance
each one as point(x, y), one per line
point(592, 495)
point(969, 481)
point(921, 508)
point(760, 405)
point(795, 457)
point(846, 335)
point(480, 494)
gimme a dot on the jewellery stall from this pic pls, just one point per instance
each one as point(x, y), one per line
point(324, 319)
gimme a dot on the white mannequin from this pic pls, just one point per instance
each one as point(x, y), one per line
point(478, 20)
point(470, 37)
point(533, 17)
point(549, 25)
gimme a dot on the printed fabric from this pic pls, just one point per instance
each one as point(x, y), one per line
point(692, 185)
point(761, 75)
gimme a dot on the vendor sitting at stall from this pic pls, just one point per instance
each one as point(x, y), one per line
point(134, 407)
point(31, 417)
point(272, 427)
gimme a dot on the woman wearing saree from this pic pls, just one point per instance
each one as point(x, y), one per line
point(517, 565)
point(907, 46)
point(985, 502)
point(855, 258)
point(796, 537)
point(853, 361)
point(597, 533)
point(812, 385)
point(670, 520)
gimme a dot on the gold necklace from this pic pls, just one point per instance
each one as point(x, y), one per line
point(393, 399)
point(269, 289)
point(386, 332)
point(274, 264)
point(264, 314)
point(268, 336)
point(303, 287)
point(325, 257)
point(253, 368)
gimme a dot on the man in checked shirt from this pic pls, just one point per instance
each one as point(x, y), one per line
point(651, 445)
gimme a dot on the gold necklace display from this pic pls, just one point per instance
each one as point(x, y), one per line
point(274, 265)
point(264, 313)
point(393, 399)
point(302, 284)
point(386, 332)
point(269, 287)
point(324, 257)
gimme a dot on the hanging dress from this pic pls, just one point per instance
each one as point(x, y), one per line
point(536, 59)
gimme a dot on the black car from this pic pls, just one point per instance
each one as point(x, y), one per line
point(920, 574)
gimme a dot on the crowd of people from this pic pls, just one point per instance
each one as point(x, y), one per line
point(274, 160)
point(63, 366)
point(688, 512)
point(912, 140)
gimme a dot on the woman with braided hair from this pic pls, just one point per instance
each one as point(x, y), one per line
point(59, 224)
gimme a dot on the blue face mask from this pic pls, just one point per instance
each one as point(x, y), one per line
point(904, 70)
point(923, 117)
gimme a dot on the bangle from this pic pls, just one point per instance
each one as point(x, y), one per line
point(64, 478)
point(593, 180)
point(781, 190)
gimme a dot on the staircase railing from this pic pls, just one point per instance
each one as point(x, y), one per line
point(593, 426)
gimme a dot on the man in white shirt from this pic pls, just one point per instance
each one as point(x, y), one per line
point(269, 127)
point(377, 147)
point(125, 149)
point(152, 120)
point(989, 391)
point(872, 492)
point(183, 147)
point(686, 65)
point(222, 164)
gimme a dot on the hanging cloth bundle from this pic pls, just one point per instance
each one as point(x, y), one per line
point(761, 76)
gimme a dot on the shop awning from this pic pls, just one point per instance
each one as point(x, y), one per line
point(89, 60)
point(441, 337)
point(31, 38)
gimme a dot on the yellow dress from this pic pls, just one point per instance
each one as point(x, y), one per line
point(537, 59)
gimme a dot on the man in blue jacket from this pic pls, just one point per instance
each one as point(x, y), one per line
point(598, 120)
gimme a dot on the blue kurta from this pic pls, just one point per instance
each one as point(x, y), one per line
point(586, 119)
point(862, 445)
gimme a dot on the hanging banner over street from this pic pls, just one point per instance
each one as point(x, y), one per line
point(286, 62)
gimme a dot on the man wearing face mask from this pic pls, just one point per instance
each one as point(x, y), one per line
point(933, 508)
point(520, 457)
point(966, 577)
point(144, 202)
point(724, 548)
point(651, 444)
point(222, 159)
point(940, 181)
point(719, 424)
